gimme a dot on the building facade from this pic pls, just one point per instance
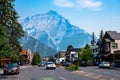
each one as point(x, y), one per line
point(109, 47)
point(72, 54)
point(27, 55)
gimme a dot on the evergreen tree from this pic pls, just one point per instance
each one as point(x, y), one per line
point(51, 58)
point(100, 43)
point(5, 49)
point(8, 20)
point(36, 59)
point(93, 39)
point(101, 35)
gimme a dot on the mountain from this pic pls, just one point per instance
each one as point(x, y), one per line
point(28, 42)
point(55, 31)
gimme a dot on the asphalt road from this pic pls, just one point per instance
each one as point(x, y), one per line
point(101, 74)
point(86, 73)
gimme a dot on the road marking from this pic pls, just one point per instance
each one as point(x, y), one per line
point(88, 74)
point(96, 76)
point(112, 74)
point(99, 77)
point(92, 75)
point(47, 79)
point(62, 78)
point(113, 79)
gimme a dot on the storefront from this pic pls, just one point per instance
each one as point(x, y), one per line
point(4, 62)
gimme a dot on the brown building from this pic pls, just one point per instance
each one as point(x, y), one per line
point(62, 54)
point(27, 55)
point(110, 46)
point(4, 62)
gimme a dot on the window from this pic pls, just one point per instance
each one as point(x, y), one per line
point(114, 45)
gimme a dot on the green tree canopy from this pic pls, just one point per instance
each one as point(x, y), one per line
point(51, 58)
point(9, 22)
point(36, 58)
point(85, 54)
point(5, 49)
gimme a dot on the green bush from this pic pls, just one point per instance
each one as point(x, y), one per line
point(72, 67)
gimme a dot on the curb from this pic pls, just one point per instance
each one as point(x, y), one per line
point(115, 68)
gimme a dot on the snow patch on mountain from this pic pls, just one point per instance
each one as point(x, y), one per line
point(55, 31)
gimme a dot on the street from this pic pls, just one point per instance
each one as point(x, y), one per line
point(101, 74)
point(86, 73)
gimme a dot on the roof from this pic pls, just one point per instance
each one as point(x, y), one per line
point(114, 35)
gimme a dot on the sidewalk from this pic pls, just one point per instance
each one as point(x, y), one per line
point(21, 67)
point(115, 68)
point(111, 67)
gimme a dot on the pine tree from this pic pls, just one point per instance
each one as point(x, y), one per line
point(100, 42)
point(8, 20)
point(93, 39)
point(5, 48)
point(101, 35)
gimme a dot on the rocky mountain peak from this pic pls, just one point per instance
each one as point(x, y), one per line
point(55, 31)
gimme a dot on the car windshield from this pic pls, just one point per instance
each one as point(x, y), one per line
point(50, 63)
point(41, 62)
point(105, 62)
point(11, 65)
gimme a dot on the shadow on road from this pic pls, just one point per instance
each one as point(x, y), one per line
point(2, 76)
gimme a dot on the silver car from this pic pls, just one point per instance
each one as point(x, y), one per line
point(104, 65)
point(50, 65)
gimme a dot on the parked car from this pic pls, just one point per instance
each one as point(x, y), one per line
point(66, 63)
point(50, 65)
point(104, 65)
point(11, 68)
point(117, 63)
point(42, 64)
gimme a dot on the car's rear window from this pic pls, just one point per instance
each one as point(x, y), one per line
point(11, 65)
point(50, 63)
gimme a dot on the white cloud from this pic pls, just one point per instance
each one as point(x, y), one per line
point(90, 4)
point(63, 3)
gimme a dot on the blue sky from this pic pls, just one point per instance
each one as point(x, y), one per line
point(90, 15)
